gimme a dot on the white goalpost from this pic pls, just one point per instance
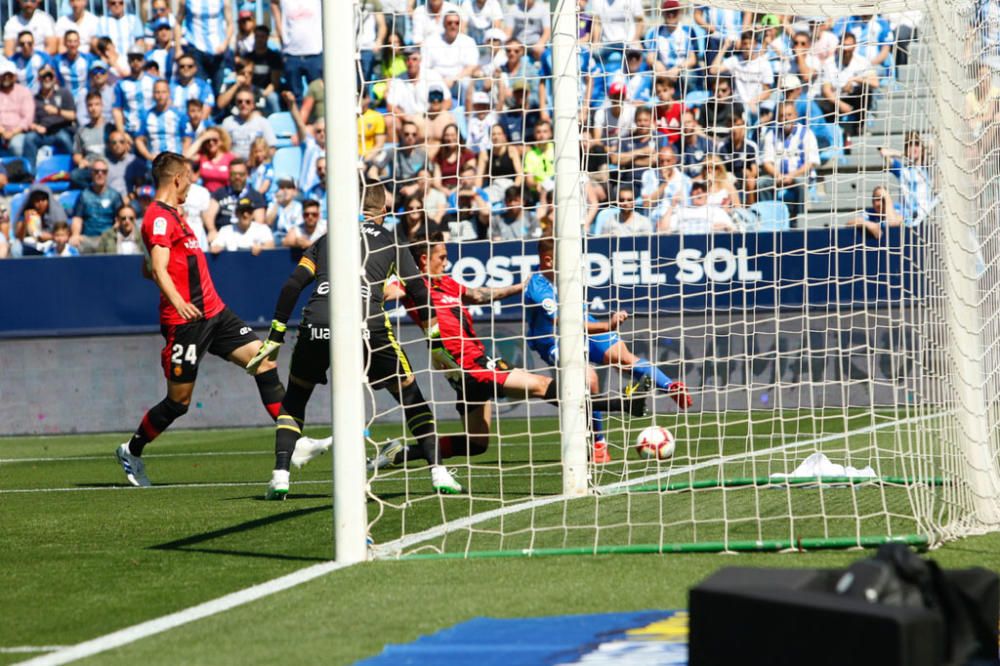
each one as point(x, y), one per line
point(810, 245)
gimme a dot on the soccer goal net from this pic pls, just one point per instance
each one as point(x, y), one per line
point(795, 205)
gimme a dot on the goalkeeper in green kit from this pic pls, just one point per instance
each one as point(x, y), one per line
point(387, 365)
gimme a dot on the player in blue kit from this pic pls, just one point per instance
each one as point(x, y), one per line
point(604, 345)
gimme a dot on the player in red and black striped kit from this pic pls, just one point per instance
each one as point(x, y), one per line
point(193, 319)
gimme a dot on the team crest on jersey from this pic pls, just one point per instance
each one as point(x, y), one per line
point(549, 305)
point(159, 226)
point(177, 368)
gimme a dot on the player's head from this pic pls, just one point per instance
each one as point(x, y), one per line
point(172, 175)
point(431, 255)
point(546, 253)
point(373, 202)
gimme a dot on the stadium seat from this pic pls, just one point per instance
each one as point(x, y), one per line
point(54, 172)
point(769, 216)
point(16, 204)
point(284, 128)
point(696, 98)
point(14, 188)
point(68, 199)
point(287, 163)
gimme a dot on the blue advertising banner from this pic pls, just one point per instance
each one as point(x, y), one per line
point(835, 268)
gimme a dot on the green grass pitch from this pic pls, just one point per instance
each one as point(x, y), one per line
point(83, 556)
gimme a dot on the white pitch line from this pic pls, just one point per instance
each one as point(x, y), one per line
point(167, 622)
point(165, 486)
point(195, 454)
point(28, 649)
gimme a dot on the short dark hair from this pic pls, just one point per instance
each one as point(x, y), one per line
point(70, 32)
point(166, 165)
point(546, 246)
point(26, 32)
point(422, 247)
point(309, 203)
point(238, 161)
point(94, 95)
point(61, 225)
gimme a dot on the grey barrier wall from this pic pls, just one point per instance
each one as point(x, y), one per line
point(732, 362)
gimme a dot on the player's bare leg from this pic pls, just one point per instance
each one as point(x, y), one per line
point(268, 383)
point(154, 422)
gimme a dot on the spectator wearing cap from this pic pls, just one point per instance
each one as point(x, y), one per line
point(188, 85)
point(479, 123)
point(246, 124)
point(34, 20)
point(622, 218)
point(210, 153)
point(519, 118)
point(309, 230)
point(165, 51)
point(17, 109)
point(531, 25)
point(698, 217)
point(198, 116)
point(613, 121)
point(371, 37)
point(453, 55)
point(285, 211)
point(428, 19)
point(725, 28)
point(848, 82)
point(98, 82)
point(408, 94)
point(517, 69)
point(91, 138)
point(123, 237)
point(81, 21)
point(222, 209)
point(740, 156)
point(668, 46)
point(126, 170)
point(296, 22)
point(480, 17)
point(208, 30)
point(163, 128)
point(94, 210)
point(160, 13)
point(491, 57)
point(246, 233)
point(55, 117)
point(29, 61)
point(133, 95)
point(123, 28)
point(789, 155)
point(72, 66)
point(246, 25)
point(749, 69)
point(267, 67)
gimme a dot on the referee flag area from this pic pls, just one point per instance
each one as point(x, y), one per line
point(199, 569)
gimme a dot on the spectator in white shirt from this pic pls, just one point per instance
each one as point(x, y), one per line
point(428, 19)
point(451, 54)
point(622, 220)
point(749, 69)
point(35, 21)
point(664, 187)
point(618, 24)
point(81, 20)
point(244, 235)
point(285, 212)
point(848, 80)
point(531, 25)
point(480, 16)
point(700, 217)
point(297, 26)
point(309, 230)
point(407, 95)
point(790, 154)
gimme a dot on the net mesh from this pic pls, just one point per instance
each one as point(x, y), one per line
point(796, 208)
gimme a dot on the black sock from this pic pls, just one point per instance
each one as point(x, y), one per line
point(420, 421)
point(288, 425)
point(155, 421)
point(271, 391)
point(552, 392)
point(462, 445)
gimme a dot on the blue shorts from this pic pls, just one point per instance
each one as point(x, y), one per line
point(597, 346)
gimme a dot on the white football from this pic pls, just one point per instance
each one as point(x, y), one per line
point(655, 442)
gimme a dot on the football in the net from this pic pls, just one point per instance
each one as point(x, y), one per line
point(655, 442)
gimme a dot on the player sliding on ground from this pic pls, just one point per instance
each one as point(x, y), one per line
point(193, 318)
point(388, 366)
point(477, 378)
point(603, 344)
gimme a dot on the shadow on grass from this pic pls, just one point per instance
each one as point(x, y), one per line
point(192, 543)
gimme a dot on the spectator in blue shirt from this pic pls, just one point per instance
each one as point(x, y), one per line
point(164, 52)
point(122, 28)
point(880, 216)
point(208, 30)
point(28, 61)
point(99, 83)
point(163, 127)
point(73, 67)
point(131, 96)
point(188, 85)
point(668, 46)
point(94, 211)
point(694, 145)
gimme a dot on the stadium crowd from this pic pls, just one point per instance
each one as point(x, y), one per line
point(694, 119)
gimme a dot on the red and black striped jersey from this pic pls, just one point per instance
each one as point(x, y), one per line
point(165, 226)
point(454, 322)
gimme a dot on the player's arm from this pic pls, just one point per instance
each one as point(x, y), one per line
point(416, 289)
point(300, 278)
point(159, 258)
point(612, 324)
point(481, 295)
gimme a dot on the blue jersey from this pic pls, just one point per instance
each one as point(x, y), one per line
point(133, 97)
point(164, 58)
point(164, 131)
point(541, 306)
point(123, 32)
point(205, 24)
point(27, 68)
point(196, 88)
point(73, 74)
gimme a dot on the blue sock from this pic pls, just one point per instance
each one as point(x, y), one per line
point(644, 368)
point(597, 420)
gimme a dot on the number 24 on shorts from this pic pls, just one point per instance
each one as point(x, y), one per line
point(181, 354)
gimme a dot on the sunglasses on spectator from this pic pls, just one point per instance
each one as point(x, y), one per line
point(26, 43)
point(310, 213)
point(116, 141)
point(96, 171)
point(126, 217)
point(451, 22)
point(245, 102)
point(187, 65)
point(46, 75)
point(801, 42)
point(113, 3)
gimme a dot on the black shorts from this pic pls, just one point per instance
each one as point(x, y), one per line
point(187, 343)
point(385, 361)
point(481, 384)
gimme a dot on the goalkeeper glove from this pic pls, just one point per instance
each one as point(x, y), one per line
point(268, 350)
point(679, 393)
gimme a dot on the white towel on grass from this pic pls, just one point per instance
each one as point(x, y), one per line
point(818, 466)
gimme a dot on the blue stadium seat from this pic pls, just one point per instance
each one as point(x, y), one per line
point(696, 98)
point(284, 128)
point(68, 200)
point(55, 166)
point(287, 163)
point(770, 216)
point(14, 188)
point(16, 204)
